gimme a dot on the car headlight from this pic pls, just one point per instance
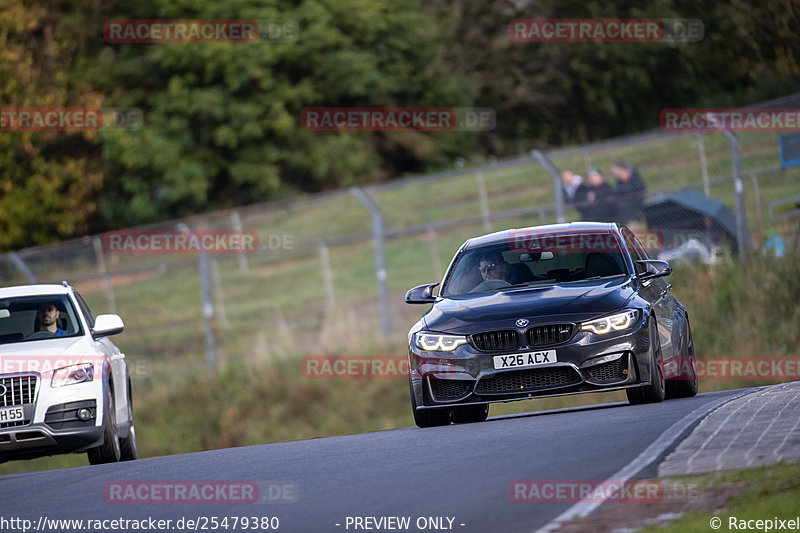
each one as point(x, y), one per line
point(616, 322)
point(70, 375)
point(433, 342)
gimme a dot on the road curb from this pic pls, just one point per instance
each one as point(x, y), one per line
point(749, 432)
point(656, 450)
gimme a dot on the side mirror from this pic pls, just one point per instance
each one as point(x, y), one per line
point(422, 294)
point(654, 269)
point(105, 325)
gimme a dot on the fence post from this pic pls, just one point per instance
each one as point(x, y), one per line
point(380, 257)
point(484, 201)
point(236, 221)
point(701, 147)
point(219, 302)
point(559, 190)
point(327, 277)
point(208, 307)
point(759, 227)
point(587, 162)
point(736, 163)
point(20, 264)
point(101, 267)
point(433, 242)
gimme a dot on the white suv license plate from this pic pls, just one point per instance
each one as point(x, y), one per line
point(524, 360)
point(11, 414)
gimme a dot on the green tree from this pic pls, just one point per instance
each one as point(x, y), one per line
point(555, 93)
point(222, 121)
point(49, 181)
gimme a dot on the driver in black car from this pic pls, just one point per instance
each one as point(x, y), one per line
point(493, 266)
point(48, 315)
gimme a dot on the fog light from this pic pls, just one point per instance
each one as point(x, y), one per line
point(625, 372)
point(84, 414)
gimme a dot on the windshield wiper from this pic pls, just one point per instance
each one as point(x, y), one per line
point(530, 285)
point(600, 277)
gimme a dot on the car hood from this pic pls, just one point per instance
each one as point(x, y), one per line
point(568, 301)
point(45, 347)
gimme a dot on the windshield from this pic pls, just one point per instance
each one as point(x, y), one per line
point(535, 260)
point(32, 318)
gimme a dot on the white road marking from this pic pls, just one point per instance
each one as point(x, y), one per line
point(785, 440)
point(723, 453)
point(714, 434)
point(747, 456)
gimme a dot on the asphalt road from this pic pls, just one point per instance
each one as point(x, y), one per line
point(462, 472)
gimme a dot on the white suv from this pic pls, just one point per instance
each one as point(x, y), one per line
point(64, 386)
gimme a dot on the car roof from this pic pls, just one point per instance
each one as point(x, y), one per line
point(33, 290)
point(502, 237)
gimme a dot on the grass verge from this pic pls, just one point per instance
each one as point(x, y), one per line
point(764, 493)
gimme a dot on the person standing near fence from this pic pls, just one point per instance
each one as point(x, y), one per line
point(596, 201)
point(630, 194)
point(571, 183)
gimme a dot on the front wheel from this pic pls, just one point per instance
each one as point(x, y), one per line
point(655, 391)
point(109, 451)
point(127, 445)
point(428, 418)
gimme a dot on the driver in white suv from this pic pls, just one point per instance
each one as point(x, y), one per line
point(48, 316)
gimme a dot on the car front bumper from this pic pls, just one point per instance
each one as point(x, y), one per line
point(51, 424)
point(585, 363)
point(37, 440)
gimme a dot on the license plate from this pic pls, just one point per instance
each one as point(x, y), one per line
point(524, 360)
point(11, 414)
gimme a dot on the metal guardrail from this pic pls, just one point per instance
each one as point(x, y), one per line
point(784, 208)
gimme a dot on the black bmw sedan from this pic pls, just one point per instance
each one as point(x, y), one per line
point(546, 311)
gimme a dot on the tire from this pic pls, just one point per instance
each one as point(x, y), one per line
point(655, 391)
point(685, 385)
point(428, 418)
point(127, 445)
point(109, 451)
point(470, 413)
